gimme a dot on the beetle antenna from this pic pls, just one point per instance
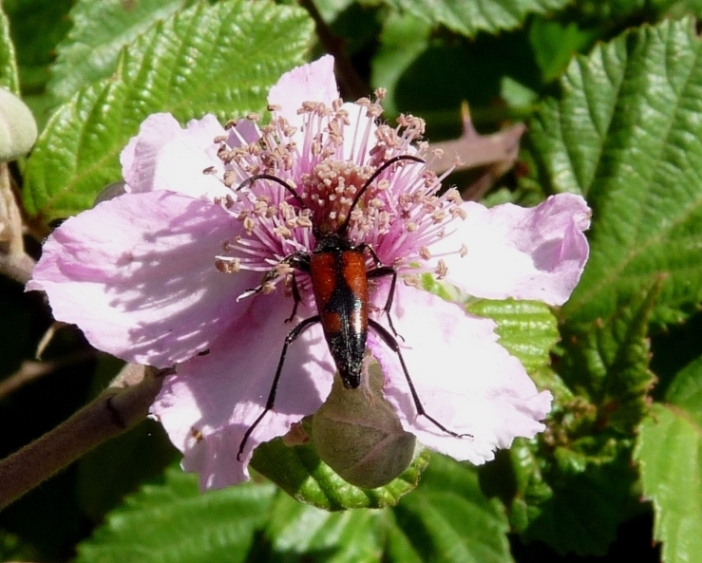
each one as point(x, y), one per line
point(272, 178)
point(378, 172)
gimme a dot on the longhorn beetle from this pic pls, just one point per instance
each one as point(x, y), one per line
point(339, 276)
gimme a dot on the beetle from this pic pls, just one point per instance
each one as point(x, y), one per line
point(339, 275)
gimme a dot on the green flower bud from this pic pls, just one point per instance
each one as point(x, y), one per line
point(18, 129)
point(357, 433)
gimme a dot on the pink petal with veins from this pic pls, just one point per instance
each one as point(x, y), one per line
point(525, 253)
point(137, 274)
point(208, 406)
point(463, 377)
point(164, 156)
point(313, 82)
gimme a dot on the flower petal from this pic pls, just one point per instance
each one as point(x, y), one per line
point(463, 377)
point(164, 156)
point(526, 253)
point(243, 133)
point(137, 274)
point(208, 406)
point(311, 82)
point(359, 134)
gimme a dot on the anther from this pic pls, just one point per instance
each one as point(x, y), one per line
point(441, 269)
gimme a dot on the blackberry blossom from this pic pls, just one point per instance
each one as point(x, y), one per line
point(188, 269)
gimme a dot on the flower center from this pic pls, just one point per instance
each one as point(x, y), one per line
point(329, 190)
point(294, 184)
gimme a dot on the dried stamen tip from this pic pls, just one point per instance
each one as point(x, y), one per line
point(228, 265)
point(441, 269)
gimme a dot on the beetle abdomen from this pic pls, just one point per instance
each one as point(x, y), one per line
point(340, 287)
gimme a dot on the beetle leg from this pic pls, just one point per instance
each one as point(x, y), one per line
point(380, 272)
point(297, 260)
point(392, 344)
point(289, 339)
point(270, 275)
point(296, 298)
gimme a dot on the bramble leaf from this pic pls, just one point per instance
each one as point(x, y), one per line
point(218, 59)
point(8, 62)
point(626, 131)
point(468, 18)
point(669, 454)
point(100, 29)
point(579, 471)
point(303, 475)
point(300, 532)
point(576, 504)
point(608, 365)
point(448, 519)
point(176, 522)
point(527, 329)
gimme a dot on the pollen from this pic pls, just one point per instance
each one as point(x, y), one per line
point(441, 269)
point(325, 171)
point(282, 232)
point(228, 265)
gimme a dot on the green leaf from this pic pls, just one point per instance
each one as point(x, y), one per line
point(299, 532)
point(299, 471)
point(609, 366)
point(581, 500)
point(37, 26)
point(626, 132)
point(332, 9)
point(554, 44)
point(468, 18)
point(685, 392)
point(527, 329)
point(8, 62)
point(437, 72)
point(220, 59)
point(682, 7)
point(402, 40)
point(669, 454)
point(618, 12)
point(175, 522)
point(572, 488)
point(100, 30)
point(449, 519)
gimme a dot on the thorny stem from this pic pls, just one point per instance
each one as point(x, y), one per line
point(475, 150)
point(113, 412)
point(497, 153)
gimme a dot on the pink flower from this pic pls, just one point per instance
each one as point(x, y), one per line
point(164, 275)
